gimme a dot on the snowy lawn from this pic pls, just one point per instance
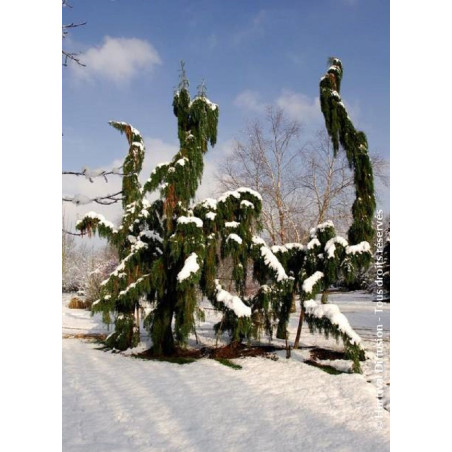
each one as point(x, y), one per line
point(113, 402)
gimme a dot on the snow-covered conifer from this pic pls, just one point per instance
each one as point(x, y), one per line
point(170, 249)
point(342, 132)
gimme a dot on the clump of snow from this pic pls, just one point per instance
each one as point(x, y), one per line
point(237, 194)
point(309, 283)
point(89, 173)
point(232, 224)
point(209, 203)
point(208, 102)
point(321, 227)
point(190, 267)
point(287, 247)
point(101, 218)
point(79, 199)
point(138, 245)
point(135, 131)
point(232, 302)
point(250, 191)
point(272, 261)
point(228, 194)
point(184, 220)
point(362, 247)
point(138, 145)
point(181, 161)
point(278, 249)
point(211, 216)
point(234, 237)
point(298, 246)
point(258, 241)
point(330, 247)
point(161, 165)
point(334, 315)
point(330, 250)
point(312, 243)
point(335, 94)
point(247, 204)
point(151, 235)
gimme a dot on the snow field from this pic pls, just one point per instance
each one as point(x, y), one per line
point(117, 403)
point(114, 402)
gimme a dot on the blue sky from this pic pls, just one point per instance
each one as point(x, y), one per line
point(250, 54)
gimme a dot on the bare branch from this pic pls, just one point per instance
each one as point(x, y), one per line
point(79, 234)
point(103, 200)
point(90, 175)
point(70, 56)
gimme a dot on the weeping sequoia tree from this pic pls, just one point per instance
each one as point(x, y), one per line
point(170, 249)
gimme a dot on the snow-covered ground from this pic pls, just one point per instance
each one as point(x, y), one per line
point(113, 402)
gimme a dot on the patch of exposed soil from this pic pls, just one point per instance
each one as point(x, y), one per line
point(230, 351)
point(322, 354)
point(97, 336)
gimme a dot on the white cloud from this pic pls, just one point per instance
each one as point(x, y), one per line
point(299, 106)
point(296, 105)
point(117, 59)
point(250, 100)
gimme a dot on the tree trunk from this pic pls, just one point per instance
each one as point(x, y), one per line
point(162, 333)
point(300, 324)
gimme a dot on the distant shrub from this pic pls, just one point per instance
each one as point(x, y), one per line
point(76, 303)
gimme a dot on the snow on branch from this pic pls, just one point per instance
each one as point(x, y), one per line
point(330, 246)
point(309, 283)
point(91, 174)
point(327, 319)
point(136, 288)
point(270, 260)
point(125, 265)
point(232, 302)
point(92, 221)
point(360, 248)
point(191, 267)
point(103, 200)
point(237, 194)
point(190, 220)
point(334, 315)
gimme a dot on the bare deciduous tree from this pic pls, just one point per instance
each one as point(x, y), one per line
point(327, 182)
point(301, 185)
point(70, 56)
point(265, 161)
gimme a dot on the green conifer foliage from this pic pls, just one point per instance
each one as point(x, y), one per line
point(177, 273)
point(170, 249)
point(162, 245)
point(342, 132)
point(305, 270)
point(138, 240)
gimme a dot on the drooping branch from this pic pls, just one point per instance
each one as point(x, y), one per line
point(343, 133)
